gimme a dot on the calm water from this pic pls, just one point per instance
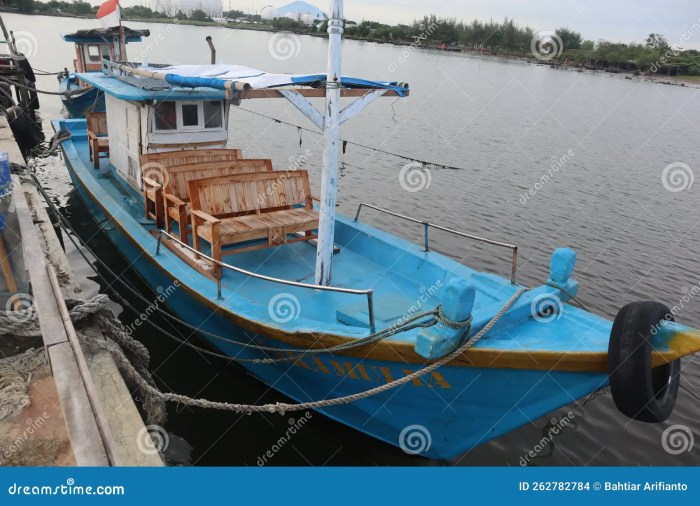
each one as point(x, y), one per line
point(505, 124)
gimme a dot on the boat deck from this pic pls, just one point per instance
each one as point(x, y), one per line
point(403, 286)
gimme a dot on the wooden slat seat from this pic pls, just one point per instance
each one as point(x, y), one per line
point(245, 207)
point(175, 197)
point(98, 140)
point(153, 164)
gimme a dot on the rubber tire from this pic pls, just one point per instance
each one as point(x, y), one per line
point(640, 392)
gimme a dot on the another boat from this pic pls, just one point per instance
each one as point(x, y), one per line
point(387, 314)
point(91, 47)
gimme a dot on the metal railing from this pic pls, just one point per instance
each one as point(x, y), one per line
point(369, 293)
point(426, 238)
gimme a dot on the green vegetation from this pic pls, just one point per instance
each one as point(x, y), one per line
point(566, 46)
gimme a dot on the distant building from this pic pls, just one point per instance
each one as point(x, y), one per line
point(300, 11)
point(212, 8)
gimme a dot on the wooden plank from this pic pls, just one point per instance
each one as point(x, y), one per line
point(80, 421)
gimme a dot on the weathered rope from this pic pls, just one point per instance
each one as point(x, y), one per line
point(283, 408)
point(45, 92)
point(25, 323)
point(15, 376)
point(54, 144)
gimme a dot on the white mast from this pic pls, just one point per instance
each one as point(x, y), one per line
point(331, 134)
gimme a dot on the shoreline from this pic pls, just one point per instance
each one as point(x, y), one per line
point(682, 81)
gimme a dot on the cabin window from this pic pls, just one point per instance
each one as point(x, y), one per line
point(190, 115)
point(93, 51)
point(165, 116)
point(212, 115)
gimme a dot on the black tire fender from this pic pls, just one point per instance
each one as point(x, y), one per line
point(641, 392)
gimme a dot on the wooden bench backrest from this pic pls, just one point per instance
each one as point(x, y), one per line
point(183, 157)
point(179, 175)
point(96, 122)
point(234, 195)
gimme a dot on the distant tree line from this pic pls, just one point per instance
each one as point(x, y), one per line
point(653, 55)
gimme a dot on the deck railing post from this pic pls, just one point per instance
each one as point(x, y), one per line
point(160, 238)
point(514, 266)
point(357, 214)
point(426, 240)
point(370, 310)
point(218, 286)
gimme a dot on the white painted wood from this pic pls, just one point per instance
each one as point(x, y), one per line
point(331, 131)
point(358, 105)
point(306, 108)
point(116, 128)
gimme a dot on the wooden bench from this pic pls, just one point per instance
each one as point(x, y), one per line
point(152, 165)
point(174, 189)
point(97, 136)
point(246, 207)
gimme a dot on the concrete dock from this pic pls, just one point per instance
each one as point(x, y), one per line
point(79, 410)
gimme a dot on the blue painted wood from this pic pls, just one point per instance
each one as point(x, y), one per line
point(461, 407)
point(91, 100)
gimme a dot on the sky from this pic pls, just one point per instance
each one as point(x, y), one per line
point(614, 20)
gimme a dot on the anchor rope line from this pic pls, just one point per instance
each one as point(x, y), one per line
point(45, 92)
point(352, 143)
point(282, 408)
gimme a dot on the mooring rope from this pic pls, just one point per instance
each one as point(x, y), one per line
point(282, 408)
point(45, 92)
point(120, 340)
point(54, 144)
point(15, 376)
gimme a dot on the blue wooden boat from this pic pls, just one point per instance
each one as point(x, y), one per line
point(91, 46)
point(510, 354)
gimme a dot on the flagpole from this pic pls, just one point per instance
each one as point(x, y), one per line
point(122, 43)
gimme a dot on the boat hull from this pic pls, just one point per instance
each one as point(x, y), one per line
point(442, 415)
point(78, 105)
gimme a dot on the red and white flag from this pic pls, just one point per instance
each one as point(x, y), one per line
point(109, 14)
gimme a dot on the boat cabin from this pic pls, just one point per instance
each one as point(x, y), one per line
point(94, 45)
point(143, 121)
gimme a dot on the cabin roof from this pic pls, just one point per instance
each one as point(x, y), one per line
point(101, 35)
point(125, 91)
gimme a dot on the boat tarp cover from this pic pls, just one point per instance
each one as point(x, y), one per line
point(206, 75)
